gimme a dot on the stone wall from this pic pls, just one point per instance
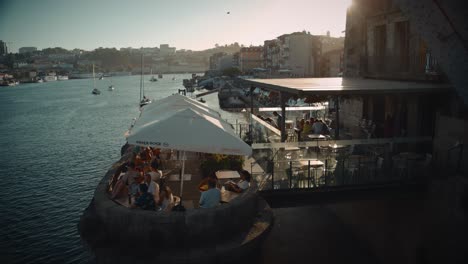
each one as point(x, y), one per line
point(108, 225)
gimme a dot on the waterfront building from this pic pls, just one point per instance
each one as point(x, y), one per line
point(299, 54)
point(380, 44)
point(250, 58)
point(331, 63)
point(3, 48)
point(23, 50)
point(271, 55)
point(214, 60)
point(165, 50)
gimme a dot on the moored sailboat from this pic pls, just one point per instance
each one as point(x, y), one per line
point(143, 99)
point(95, 90)
point(111, 87)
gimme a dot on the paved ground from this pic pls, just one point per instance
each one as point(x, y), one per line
point(312, 234)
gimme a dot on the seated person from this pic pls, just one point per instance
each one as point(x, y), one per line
point(203, 186)
point(306, 129)
point(117, 176)
point(212, 197)
point(145, 201)
point(153, 187)
point(167, 199)
point(126, 179)
point(242, 185)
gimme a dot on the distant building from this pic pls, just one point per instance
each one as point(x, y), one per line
point(165, 50)
point(23, 50)
point(149, 51)
point(226, 62)
point(250, 58)
point(299, 54)
point(215, 60)
point(271, 55)
point(3, 48)
point(331, 63)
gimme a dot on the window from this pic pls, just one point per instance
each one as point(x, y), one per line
point(402, 45)
point(380, 46)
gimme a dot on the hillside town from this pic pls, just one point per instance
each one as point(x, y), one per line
point(298, 54)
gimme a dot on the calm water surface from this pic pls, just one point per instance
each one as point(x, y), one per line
point(57, 141)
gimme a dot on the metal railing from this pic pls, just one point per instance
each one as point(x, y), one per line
point(345, 166)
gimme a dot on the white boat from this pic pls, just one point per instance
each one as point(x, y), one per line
point(62, 77)
point(39, 80)
point(143, 99)
point(95, 90)
point(111, 87)
point(152, 77)
point(50, 78)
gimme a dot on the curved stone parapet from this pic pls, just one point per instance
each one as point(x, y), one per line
point(106, 226)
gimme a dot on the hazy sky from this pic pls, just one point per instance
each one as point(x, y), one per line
point(196, 25)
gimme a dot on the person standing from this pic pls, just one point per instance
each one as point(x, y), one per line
point(279, 119)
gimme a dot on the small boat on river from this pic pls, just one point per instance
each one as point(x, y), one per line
point(95, 90)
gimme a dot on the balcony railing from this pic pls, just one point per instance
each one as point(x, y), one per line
point(411, 67)
point(345, 166)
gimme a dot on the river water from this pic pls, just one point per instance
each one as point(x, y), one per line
point(57, 141)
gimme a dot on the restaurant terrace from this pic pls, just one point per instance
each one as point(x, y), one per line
point(360, 150)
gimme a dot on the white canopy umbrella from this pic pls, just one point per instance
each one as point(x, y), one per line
point(173, 103)
point(187, 129)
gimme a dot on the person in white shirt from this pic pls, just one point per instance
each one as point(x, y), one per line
point(242, 185)
point(167, 199)
point(153, 187)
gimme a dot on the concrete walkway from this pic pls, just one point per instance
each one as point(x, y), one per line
point(311, 234)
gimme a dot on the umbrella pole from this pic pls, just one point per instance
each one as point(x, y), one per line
point(182, 175)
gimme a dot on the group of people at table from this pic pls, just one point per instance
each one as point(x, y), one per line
point(303, 128)
point(311, 126)
point(142, 180)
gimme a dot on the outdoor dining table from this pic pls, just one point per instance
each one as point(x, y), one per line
point(228, 196)
point(316, 137)
point(227, 174)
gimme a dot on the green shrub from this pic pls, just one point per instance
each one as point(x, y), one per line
point(216, 162)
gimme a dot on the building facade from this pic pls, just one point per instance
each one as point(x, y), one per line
point(299, 54)
point(165, 50)
point(250, 58)
point(23, 50)
point(331, 63)
point(380, 43)
point(271, 55)
point(3, 48)
point(215, 60)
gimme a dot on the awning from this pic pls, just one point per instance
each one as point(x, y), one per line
point(345, 86)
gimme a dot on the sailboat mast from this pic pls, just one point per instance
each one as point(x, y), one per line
point(94, 78)
point(141, 79)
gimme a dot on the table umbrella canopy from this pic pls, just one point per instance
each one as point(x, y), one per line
point(187, 129)
point(171, 104)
